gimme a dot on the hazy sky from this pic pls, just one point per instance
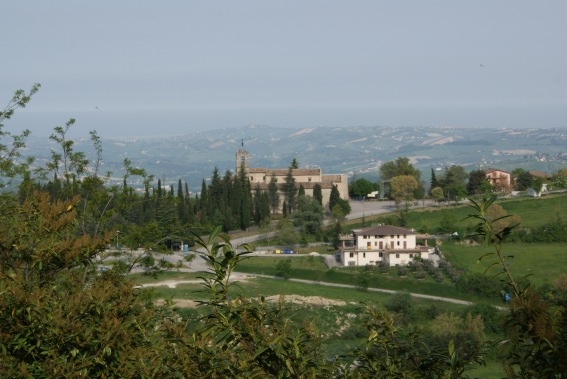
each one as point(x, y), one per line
point(172, 67)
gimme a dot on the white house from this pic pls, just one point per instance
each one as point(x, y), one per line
point(383, 243)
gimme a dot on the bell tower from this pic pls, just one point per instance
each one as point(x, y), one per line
point(241, 159)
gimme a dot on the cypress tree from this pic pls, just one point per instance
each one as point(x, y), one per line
point(273, 195)
point(334, 197)
point(318, 193)
point(289, 191)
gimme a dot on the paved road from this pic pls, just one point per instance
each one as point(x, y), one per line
point(367, 208)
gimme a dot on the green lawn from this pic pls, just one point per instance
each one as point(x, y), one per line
point(312, 268)
point(544, 262)
point(532, 211)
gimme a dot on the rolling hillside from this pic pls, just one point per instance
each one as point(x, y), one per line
point(354, 150)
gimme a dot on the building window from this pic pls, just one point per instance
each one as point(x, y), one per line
point(308, 179)
point(251, 178)
point(411, 255)
point(363, 255)
point(398, 243)
point(351, 255)
point(397, 255)
point(264, 178)
point(380, 254)
point(365, 237)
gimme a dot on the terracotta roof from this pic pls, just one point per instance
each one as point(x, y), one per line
point(283, 172)
point(496, 169)
point(384, 230)
point(540, 174)
point(307, 185)
point(332, 178)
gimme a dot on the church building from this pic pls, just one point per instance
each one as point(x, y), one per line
point(307, 177)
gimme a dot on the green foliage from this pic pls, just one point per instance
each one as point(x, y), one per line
point(437, 193)
point(10, 164)
point(535, 327)
point(448, 223)
point(334, 197)
point(480, 285)
point(401, 166)
point(250, 338)
point(523, 181)
point(289, 191)
point(287, 233)
point(309, 215)
point(361, 187)
point(490, 316)
point(401, 303)
point(475, 182)
point(453, 182)
point(393, 353)
point(283, 268)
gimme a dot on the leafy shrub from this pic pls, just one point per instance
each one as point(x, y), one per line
point(283, 268)
point(480, 285)
point(402, 304)
point(489, 314)
point(420, 274)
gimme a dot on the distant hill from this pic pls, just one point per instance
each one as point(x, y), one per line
point(353, 150)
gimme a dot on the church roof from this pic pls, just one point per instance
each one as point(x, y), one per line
point(382, 230)
point(283, 172)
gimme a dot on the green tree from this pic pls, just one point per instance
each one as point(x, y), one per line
point(433, 181)
point(309, 215)
point(11, 165)
point(476, 178)
point(361, 187)
point(437, 194)
point(289, 191)
point(283, 268)
point(287, 234)
point(301, 191)
point(318, 193)
point(523, 181)
point(401, 166)
point(273, 194)
point(559, 179)
point(334, 197)
point(402, 188)
point(454, 182)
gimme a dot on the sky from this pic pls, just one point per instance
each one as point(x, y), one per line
point(148, 68)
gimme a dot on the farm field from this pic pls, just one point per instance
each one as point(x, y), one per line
point(542, 262)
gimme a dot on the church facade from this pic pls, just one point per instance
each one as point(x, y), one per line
point(308, 177)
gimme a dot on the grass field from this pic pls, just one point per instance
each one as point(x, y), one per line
point(544, 262)
point(311, 268)
point(532, 211)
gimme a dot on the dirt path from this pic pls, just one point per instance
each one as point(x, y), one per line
point(314, 300)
